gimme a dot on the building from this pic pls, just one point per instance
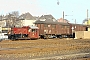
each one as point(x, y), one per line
point(2, 23)
point(27, 19)
point(63, 20)
point(48, 18)
point(85, 22)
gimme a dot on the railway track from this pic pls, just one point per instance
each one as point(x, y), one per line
point(71, 56)
point(42, 48)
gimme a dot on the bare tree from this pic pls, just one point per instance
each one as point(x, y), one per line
point(11, 18)
point(15, 13)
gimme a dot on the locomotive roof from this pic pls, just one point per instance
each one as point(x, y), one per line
point(34, 27)
point(49, 22)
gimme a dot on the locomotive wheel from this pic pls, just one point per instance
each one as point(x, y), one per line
point(13, 37)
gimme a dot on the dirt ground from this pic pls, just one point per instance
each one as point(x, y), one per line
point(43, 48)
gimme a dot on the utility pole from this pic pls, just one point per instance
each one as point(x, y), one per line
point(87, 16)
point(75, 21)
point(63, 16)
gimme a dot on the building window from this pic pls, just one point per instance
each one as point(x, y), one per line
point(33, 30)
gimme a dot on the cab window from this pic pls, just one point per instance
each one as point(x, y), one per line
point(33, 30)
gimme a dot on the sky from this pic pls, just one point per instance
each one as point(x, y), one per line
point(75, 9)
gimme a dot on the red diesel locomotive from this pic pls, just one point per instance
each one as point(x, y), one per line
point(25, 32)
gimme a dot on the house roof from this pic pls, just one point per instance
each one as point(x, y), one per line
point(47, 17)
point(49, 22)
point(36, 17)
point(27, 16)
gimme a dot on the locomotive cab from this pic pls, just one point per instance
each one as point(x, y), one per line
point(33, 32)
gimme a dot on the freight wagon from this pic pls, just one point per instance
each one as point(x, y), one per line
point(52, 29)
point(25, 32)
point(77, 27)
point(58, 30)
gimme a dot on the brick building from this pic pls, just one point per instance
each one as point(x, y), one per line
point(63, 20)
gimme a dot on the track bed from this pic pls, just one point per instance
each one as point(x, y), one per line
point(44, 48)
